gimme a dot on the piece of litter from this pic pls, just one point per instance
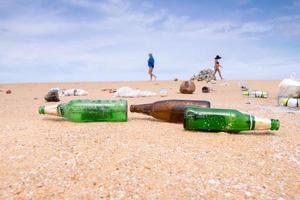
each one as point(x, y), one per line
point(130, 92)
point(163, 92)
point(74, 92)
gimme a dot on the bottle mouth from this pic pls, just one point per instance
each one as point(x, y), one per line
point(132, 108)
point(42, 110)
point(275, 124)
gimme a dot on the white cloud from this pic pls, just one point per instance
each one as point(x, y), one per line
point(119, 38)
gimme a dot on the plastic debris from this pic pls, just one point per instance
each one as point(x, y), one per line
point(289, 88)
point(55, 89)
point(130, 92)
point(289, 92)
point(244, 86)
point(163, 92)
point(74, 92)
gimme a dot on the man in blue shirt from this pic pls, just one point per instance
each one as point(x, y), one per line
point(151, 66)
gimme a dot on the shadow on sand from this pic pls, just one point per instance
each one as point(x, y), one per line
point(255, 133)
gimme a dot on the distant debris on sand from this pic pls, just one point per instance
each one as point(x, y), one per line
point(204, 75)
point(8, 91)
point(109, 90)
point(130, 92)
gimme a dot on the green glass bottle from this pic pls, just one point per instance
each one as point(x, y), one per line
point(89, 110)
point(227, 120)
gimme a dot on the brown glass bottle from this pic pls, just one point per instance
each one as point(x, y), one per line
point(168, 110)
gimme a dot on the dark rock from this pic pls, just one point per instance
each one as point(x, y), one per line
point(8, 91)
point(52, 96)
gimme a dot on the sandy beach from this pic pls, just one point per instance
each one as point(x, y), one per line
point(45, 157)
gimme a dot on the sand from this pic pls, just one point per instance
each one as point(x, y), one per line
point(45, 157)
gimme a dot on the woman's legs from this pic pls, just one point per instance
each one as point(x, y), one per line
point(219, 72)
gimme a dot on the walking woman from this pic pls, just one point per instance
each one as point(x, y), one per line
point(218, 67)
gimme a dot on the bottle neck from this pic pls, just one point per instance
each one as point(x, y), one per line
point(50, 110)
point(142, 108)
point(266, 124)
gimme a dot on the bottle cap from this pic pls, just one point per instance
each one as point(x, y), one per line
point(42, 110)
point(275, 124)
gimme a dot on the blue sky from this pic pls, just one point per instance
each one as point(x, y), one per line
point(89, 40)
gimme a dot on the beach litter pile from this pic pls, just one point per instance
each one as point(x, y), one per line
point(204, 75)
point(128, 92)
